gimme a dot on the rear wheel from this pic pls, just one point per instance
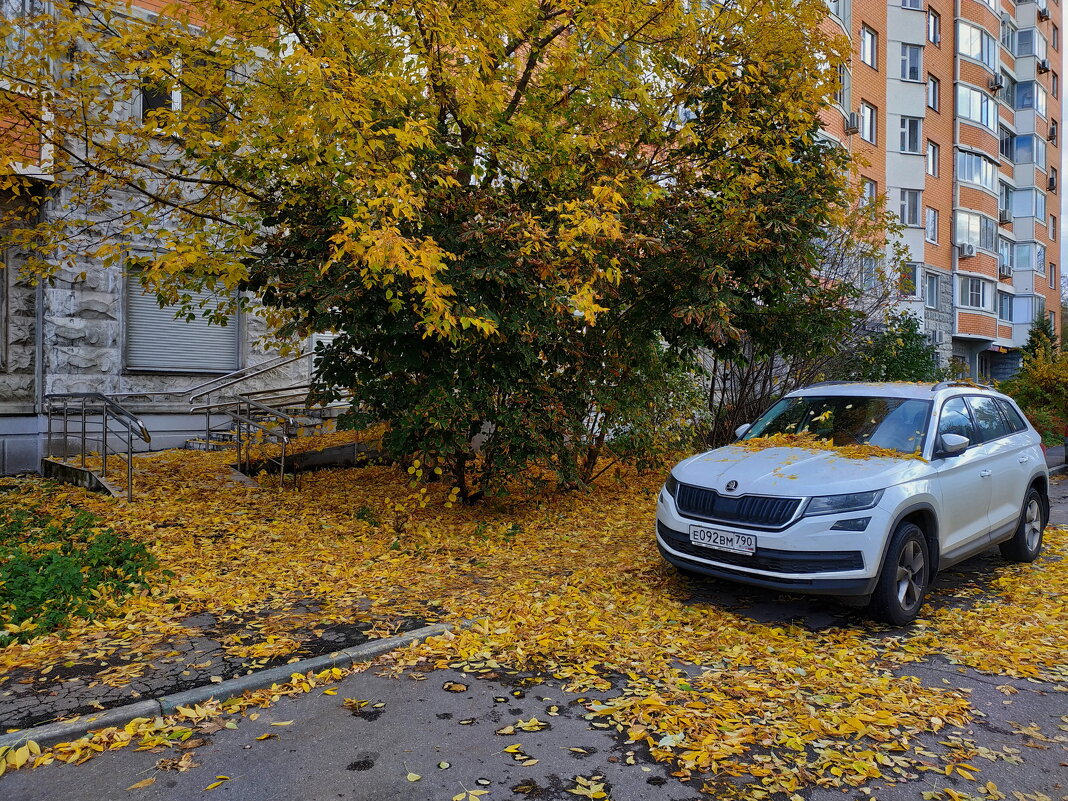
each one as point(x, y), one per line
point(905, 576)
point(1026, 543)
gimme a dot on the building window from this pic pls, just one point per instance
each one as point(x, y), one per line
point(910, 207)
point(1008, 35)
point(869, 272)
point(1030, 94)
point(932, 158)
point(911, 133)
point(1055, 37)
point(1029, 256)
point(934, 27)
point(1052, 179)
point(911, 62)
point(1004, 256)
point(934, 286)
point(869, 190)
point(1029, 42)
point(973, 42)
point(869, 47)
point(841, 94)
point(1024, 148)
point(930, 227)
point(157, 341)
point(1052, 317)
point(1052, 228)
point(1054, 85)
point(974, 293)
point(977, 106)
point(869, 126)
point(975, 169)
point(909, 286)
point(1005, 307)
point(1027, 202)
point(915, 5)
point(1052, 276)
point(933, 92)
point(973, 228)
point(835, 7)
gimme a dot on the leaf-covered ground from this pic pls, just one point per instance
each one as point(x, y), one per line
point(569, 585)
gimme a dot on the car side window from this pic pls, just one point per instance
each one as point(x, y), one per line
point(956, 419)
point(988, 418)
point(1012, 417)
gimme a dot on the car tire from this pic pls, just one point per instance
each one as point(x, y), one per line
point(1026, 543)
point(905, 577)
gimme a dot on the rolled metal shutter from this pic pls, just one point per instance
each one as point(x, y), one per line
point(156, 340)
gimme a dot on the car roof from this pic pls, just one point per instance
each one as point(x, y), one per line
point(893, 389)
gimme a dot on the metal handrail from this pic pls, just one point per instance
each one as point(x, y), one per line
point(244, 447)
point(262, 367)
point(108, 408)
point(195, 396)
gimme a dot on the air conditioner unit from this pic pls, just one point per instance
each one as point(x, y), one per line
point(997, 83)
point(1051, 184)
point(853, 123)
point(966, 250)
point(1042, 65)
point(1052, 135)
point(1004, 216)
point(1043, 12)
point(1004, 270)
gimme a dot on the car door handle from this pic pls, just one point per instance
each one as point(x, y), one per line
point(1024, 459)
point(984, 474)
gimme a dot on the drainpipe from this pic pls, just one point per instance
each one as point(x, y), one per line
point(39, 350)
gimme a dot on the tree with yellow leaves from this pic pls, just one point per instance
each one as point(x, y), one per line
point(515, 215)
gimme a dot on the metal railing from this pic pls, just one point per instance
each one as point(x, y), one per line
point(91, 413)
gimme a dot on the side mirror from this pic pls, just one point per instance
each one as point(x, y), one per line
point(740, 431)
point(952, 445)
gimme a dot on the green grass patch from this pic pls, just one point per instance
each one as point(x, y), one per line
point(58, 564)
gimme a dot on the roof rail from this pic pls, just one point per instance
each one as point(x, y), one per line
point(830, 383)
point(971, 384)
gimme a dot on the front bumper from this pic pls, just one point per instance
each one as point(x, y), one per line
point(806, 557)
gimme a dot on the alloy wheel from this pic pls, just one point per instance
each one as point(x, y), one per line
point(911, 575)
point(1033, 524)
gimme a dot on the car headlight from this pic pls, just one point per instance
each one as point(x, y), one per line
point(833, 504)
point(671, 485)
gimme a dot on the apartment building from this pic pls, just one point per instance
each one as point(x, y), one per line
point(954, 107)
point(93, 328)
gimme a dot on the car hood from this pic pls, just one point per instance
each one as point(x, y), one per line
point(795, 471)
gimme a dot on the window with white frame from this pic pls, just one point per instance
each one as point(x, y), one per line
point(1029, 256)
point(915, 5)
point(1005, 307)
point(934, 92)
point(869, 272)
point(909, 285)
point(1004, 254)
point(975, 294)
point(973, 168)
point(1030, 42)
point(934, 287)
point(1024, 148)
point(975, 43)
point(1030, 95)
point(934, 27)
point(1028, 203)
point(869, 124)
point(841, 94)
point(909, 210)
point(930, 228)
point(869, 47)
point(1052, 272)
point(21, 14)
point(973, 228)
point(911, 134)
point(911, 62)
point(1051, 316)
point(933, 152)
point(1052, 228)
point(977, 106)
point(1008, 35)
point(869, 191)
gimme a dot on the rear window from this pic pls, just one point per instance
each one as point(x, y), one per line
point(1012, 417)
point(988, 418)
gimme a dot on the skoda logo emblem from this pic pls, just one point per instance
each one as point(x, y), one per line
point(732, 486)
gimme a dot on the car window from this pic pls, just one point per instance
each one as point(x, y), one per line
point(988, 418)
point(956, 419)
point(1012, 417)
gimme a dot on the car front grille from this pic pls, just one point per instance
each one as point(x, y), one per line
point(769, 559)
point(750, 510)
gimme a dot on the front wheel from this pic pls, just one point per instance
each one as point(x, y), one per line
point(1026, 543)
point(904, 579)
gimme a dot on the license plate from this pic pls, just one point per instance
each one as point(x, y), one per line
point(723, 540)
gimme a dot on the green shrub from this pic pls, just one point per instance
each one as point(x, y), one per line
point(1041, 389)
point(56, 567)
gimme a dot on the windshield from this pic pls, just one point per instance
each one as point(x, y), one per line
point(898, 424)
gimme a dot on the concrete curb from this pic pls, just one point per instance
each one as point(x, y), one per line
point(1059, 470)
point(51, 733)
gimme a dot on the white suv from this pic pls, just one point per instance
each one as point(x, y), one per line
point(862, 490)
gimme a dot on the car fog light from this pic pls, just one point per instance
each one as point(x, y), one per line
point(854, 524)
